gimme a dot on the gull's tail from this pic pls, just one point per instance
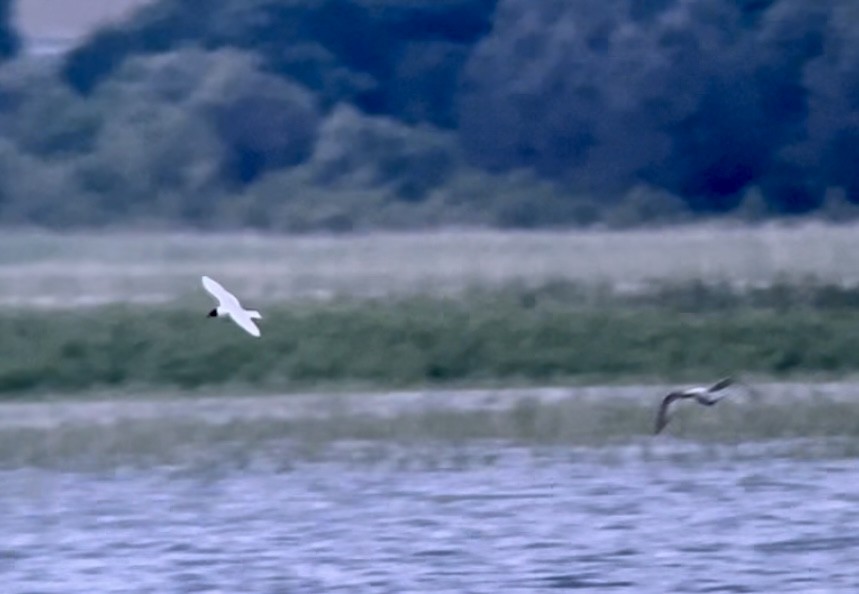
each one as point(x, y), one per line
point(254, 314)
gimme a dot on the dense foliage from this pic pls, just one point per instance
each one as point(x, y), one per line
point(9, 42)
point(345, 114)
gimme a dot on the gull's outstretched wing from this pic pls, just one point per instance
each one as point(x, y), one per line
point(662, 416)
point(721, 384)
point(215, 289)
point(709, 397)
point(245, 323)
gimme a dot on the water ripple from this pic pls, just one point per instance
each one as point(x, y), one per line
point(137, 506)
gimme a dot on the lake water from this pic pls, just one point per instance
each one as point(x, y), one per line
point(327, 502)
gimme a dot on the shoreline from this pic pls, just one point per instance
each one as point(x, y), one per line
point(238, 406)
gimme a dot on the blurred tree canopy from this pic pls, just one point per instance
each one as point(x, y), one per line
point(10, 44)
point(345, 114)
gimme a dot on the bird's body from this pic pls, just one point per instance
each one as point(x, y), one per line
point(705, 395)
point(229, 307)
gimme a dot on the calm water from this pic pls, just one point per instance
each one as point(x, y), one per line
point(251, 510)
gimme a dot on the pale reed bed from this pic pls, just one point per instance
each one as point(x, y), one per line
point(54, 270)
point(780, 418)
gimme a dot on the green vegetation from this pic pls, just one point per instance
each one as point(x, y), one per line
point(558, 333)
point(347, 115)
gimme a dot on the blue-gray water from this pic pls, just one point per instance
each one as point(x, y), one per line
point(130, 502)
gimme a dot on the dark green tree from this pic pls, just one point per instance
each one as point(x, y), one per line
point(10, 43)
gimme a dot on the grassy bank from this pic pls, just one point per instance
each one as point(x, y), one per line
point(556, 333)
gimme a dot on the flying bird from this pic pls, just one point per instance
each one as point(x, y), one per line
point(706, 395)
point(229, 306)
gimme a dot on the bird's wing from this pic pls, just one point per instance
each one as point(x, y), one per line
point(721, 384)
point(245, 323)
point(662, 413)
point(215, 289)
point(708, 399)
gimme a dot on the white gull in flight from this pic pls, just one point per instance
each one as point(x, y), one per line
point(229, 306)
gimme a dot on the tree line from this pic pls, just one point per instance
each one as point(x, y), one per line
point(350, 114)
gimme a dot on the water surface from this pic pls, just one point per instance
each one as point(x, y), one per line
point(327, 502)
